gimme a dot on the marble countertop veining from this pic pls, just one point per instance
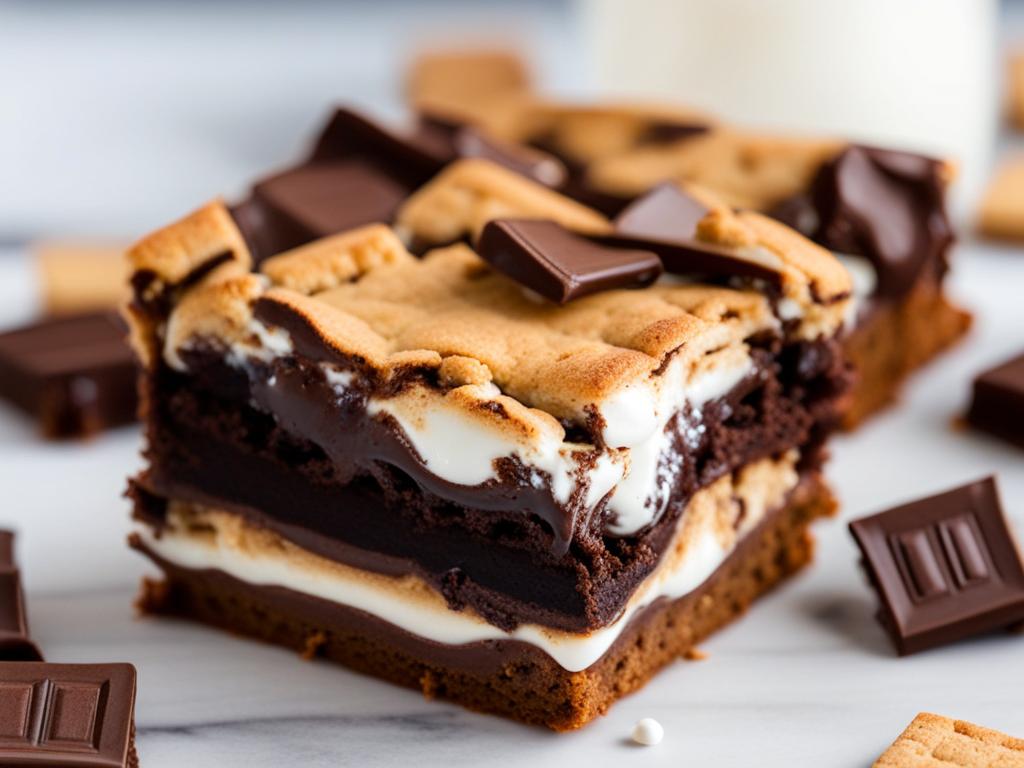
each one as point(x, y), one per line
point(807, 678)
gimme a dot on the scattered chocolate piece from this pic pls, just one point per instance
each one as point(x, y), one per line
point(75, 375)
point(664, 213)
point(15, 644)
point(452, 140)
point(667, 132)
point(314, 201)
point(357, 174)
point(560, 265)
point(883, 205)
point(997, 405)
point(350, 135)
point(74, 715)
point(945, 567)
point(665, 221)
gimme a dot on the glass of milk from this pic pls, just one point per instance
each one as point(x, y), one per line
point(913, 74)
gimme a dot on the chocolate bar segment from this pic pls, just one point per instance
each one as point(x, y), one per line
point(73, 715)
point(15, 644)
point(884, 205)
point(945, 567)
point(452, 140)
point(357, 174)
point(559, 265)
point(75, 375)
point(997, 405)
point(665, 213)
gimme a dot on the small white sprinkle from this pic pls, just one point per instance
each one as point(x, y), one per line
point(648, 732)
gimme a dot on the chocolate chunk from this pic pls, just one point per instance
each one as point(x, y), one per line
point(67, 715)
point(665, 221)
point(350, 135)
point(668, 132)
point(997, 406)
point(560, 265)
point(945, 567)
point(15, 644)
point(359, 173)
point(664, 213)
point(452, 140)
point(886, 206)
point(315, 201)
point(75, 375)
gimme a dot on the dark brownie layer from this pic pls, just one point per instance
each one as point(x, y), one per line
point(509, 678)
point(322, 474)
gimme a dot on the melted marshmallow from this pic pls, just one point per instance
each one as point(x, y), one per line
point(461, 450)
point(431, 621)
point(642, 495)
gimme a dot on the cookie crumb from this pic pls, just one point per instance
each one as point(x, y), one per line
point(695, 654)
point(648, 732)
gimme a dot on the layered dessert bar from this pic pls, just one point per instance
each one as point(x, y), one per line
point(420, 467)
point(881, 211)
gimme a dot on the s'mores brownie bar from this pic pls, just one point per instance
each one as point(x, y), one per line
point(515, 472)
point(882, 212)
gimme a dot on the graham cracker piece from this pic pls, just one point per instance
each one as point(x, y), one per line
point(468, 83)
point(933, 741)
point(1015, 89)
point(80, 276)
point(1002, 209)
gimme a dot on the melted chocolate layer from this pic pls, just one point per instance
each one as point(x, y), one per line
point(284, 448)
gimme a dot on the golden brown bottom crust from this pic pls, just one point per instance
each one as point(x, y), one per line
point(893, 341)
point(511, 679)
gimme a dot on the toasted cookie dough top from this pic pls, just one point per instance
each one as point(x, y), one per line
point(370, 301)
point(746, 170)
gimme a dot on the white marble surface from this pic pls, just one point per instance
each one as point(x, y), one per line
point(806, 679)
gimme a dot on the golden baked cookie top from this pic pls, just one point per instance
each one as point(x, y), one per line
point(370, 301)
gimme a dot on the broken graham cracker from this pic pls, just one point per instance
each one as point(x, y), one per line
point(1001, 214)
point(464, 82)
point(934, 741)
point(80, 277)
point(1015, 89)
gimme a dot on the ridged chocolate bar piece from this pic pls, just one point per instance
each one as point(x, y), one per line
point(75, 375)
point(15, 644)
point(945, 567)
point(67, 715)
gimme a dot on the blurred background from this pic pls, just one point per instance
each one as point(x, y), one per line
point(120, 115)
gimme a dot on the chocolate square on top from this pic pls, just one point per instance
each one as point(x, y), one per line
point(945, 567)
point(357, 174)
point(997, 406)
point(560, 265)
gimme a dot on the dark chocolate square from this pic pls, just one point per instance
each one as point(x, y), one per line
point(997, 405)
point(945, 567)
point(560, 265)
point(67, 714)
point(75, 375)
